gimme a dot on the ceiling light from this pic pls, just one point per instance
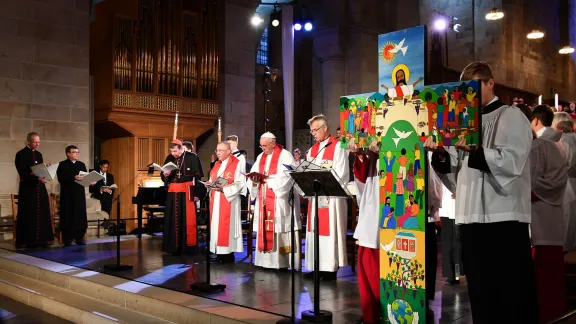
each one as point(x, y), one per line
point(566, 50)
point(494, 14)
point(535, 34)
point(256, 20)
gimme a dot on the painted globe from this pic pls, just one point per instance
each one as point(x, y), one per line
point(402, 311)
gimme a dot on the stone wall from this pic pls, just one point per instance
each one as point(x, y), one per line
point(44, 83)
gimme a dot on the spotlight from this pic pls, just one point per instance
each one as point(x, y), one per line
point(297, 26)
point(440, 24)
point(308, 26)
point(275, 17)
point(256, 20)
point(566, 50)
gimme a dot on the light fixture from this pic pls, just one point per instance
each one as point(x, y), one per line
point(275, 17)
point(308, 26)
point(297, 26)
point(566, 50)
point(440, 24)
point(535, 34)
point(256, 20)
point(494, 14)
point(456, 27)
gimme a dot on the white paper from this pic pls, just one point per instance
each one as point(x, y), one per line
point(114, 186)
point(89, 178)
point(168, 167)
point(218, 182)
point(41, 170)
point(307, 166)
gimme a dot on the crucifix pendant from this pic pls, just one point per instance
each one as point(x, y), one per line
point(179, 174)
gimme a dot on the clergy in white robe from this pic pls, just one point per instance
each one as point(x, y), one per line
point(367, 231)
point(493, 207)
point(327, 153)
point(273, 207)
point(225, 226)
point(563, 122)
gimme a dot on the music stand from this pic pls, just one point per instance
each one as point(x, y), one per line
point(315, 183)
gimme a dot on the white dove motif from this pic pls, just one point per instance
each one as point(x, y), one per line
point(401, 135)
point(400, 48)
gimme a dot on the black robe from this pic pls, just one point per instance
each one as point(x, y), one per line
point(104, 197)
point(73, 219)
point(175, 225)
point(34, 222)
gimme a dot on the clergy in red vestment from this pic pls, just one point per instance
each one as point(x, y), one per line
point(270, 185)
point(366, 176)
point(225, 209)
point(549, 179)
point(332, 212)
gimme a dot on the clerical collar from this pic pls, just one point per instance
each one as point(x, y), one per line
point(325, 140)
point(541, 132)
point(236, 153)
point(492, 106)
point(31, 149)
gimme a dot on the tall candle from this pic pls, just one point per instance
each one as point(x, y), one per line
point(539, 99)
point(219, 124)
point(556, 101)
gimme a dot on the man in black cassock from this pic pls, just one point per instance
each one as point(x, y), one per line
point(73, 219)
point(104, 195)
point(34, 222)
point(180, 215)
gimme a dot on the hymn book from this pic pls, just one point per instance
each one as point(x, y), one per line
point(89, 178)
point(218, 182)
point(114, 186)
point(168, 167)
point(43, 171)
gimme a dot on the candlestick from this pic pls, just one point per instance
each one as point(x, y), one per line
point(539, 99)
point(219, 124)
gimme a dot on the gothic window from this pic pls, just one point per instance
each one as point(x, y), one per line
point(262, 54)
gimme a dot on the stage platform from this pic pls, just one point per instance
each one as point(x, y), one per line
point(248, 286)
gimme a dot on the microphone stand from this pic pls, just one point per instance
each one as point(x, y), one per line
point(207, 286)
point(119, 266)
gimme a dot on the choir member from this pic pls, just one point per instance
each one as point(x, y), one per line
point(225, 227)
point(365, 170)
point(493, 207)
point(563, 122)
point(34, 221)
point(332, 212)
point(548, 170)
point(271, 185)
point(73, 218)
point(189, 148)
point(450, 240)
point(233, 142)
point(180, 215)
point(104, 194)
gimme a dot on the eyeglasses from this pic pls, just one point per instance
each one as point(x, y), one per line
point(222, 150)
point(265, 146)
point(313, 131)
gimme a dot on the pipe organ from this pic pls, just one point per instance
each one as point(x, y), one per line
point(151, 59)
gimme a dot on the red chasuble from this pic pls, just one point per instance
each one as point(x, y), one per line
point(224, 207)
point(188, 188)
point(323, 213)
point(266, 201)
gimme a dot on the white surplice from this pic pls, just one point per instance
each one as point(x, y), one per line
point(548, 170)
point(504, 193)
point(568, 143)
point(232, 194)
point(280, 183)
point(333, 247)
point(368, 199)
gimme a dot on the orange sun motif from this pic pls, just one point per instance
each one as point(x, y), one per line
point(385, 54)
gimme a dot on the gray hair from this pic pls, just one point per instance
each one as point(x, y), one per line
point(321, 118)
point(563, 122)
point(225, 144)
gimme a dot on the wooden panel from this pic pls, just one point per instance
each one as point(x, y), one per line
point(121, 152)
point(159, 150)
point(143, 153)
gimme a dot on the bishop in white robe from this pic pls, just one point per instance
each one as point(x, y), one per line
point(493, 210)
point(273, 206)
point(366, 166)
point(225, 225)
point(332, 212)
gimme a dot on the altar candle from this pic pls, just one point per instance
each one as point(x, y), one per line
point(556, 101)
point(539, 99)
point(219, 124)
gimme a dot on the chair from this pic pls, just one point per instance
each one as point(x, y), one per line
point(14, 199)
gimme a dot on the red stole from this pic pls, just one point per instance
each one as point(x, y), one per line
point(323, 213)
point(266, 222)
point(399, 92)
point(224, 207)
point(188, 188)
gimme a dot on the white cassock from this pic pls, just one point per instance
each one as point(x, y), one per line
point(333, 216)
point(225, 207)
point(280, 183)
point(242, 160)
point(568, 143)
point(400, 91)
point(548, 170)
point(368, 199)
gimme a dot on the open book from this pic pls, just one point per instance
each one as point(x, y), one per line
point(48, 172)
point(89, 178)
point(168, 167)
point(114, 186)
point(218, 182)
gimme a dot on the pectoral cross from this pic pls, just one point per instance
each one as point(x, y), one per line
point(179, 174)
